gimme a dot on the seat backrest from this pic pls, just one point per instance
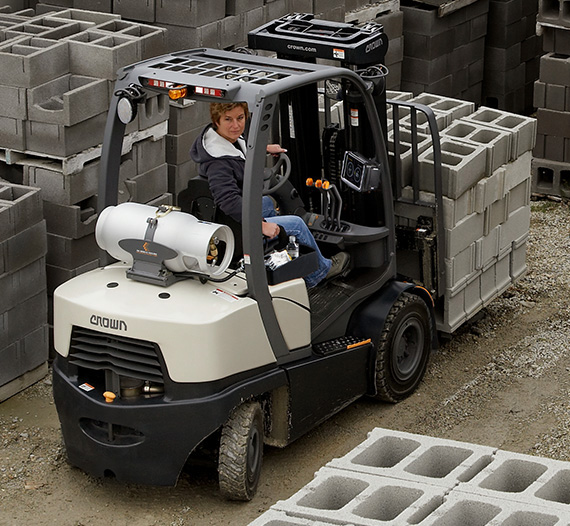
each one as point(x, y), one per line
point(197, 200)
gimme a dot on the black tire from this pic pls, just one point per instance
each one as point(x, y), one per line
point(403, 349)
point(241, 452)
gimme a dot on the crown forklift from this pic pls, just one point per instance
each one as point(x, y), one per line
point(182, 335)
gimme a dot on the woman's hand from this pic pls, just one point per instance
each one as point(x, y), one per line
point(275, 149)
point(269, 230)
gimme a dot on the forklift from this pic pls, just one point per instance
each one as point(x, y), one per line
point(185, 335)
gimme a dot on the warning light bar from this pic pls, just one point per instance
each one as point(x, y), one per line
point(212, 92)
point(177, 91)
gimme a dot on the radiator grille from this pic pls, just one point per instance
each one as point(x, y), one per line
point(125, 356)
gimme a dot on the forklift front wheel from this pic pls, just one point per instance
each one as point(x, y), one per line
point(241, 452)
point(403, 349)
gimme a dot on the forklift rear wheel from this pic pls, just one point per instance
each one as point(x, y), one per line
point(241, 452)
point(403, 349)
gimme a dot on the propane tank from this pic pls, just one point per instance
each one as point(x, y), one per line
point(195, 242)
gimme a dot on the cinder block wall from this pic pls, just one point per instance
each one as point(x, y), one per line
point(551, 162)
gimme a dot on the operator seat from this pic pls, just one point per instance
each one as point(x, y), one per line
point(197, 200)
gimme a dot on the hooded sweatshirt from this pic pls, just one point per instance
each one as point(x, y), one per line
point(223, 165)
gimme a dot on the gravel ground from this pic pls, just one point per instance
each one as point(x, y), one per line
point(501, 381)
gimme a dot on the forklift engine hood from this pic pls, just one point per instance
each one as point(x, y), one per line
point(134, 232)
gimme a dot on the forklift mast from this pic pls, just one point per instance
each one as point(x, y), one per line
point(303, 37)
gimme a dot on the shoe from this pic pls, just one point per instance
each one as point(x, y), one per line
point(339, 265)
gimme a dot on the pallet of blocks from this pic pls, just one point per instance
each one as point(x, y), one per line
point(486, 176)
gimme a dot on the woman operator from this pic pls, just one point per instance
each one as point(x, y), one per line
point(220, 154)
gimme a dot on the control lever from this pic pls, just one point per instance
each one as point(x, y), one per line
point(331, 203)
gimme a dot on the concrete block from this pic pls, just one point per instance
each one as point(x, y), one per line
point(23, 61)
point(550, 122)
point(428, 46)
point(72, 221)
point(452, 108)
point(70, 189)
point(252, 19)
point(486, 249)
point(150, 39)
point(186, 12)
point(519, 196)
point(467, 231)
point(517, 171)
point(460, 267)
point(555, 39)
point(178, 146)
point(553, 12)
point(426, 71)
point(135, 9)
point(496, 214)
point(81, 15)
point(462, 166)
point(96, 54)
point(518, 266)
point(68, 100)
point(405, 456)
point(154, 111)
point(181, 38)
point(19, 285)
point(405, 152)
point(236, 7)
point(21, 208)
point(13, 103)
point(64, 141)
point(502, 59)
point(279, 8)
point(149, 153)
point(231, 31)
point(23, 319)
point(473, 301)
point(489, 190)
point(453, 310)
point(146, 186)
point(524, 479)
point(496, 142)
point(24, 355)
point(24, 248)
point(474, 510)
point(516, 226)
point(340, 496)
point(56, 276)
point(523, 129)
point(12, 133)
point(104, 6)
point(69, 253)
point(504, 81)
point(187, 116)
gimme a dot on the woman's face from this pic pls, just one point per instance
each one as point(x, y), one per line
point(232, 124)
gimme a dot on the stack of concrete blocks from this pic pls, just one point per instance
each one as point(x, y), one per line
point(486, 177)
point(325, 9)
point(512, 52)
point(23, 294)
point(221, 24)
point(444, 54)
point(57, 72)
point(389, 15)
point(551, 162)
point(395, 478)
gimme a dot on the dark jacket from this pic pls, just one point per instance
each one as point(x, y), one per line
point(223, 165)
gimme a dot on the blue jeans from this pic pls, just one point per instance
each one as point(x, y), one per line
point(295, 226)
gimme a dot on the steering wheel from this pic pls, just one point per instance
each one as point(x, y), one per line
point(273, 179)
